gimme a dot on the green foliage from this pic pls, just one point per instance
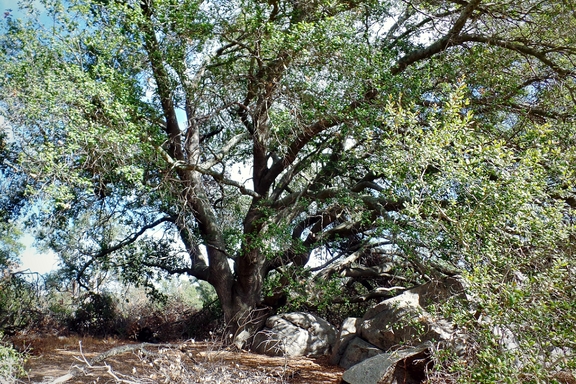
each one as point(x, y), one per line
point(327, 298)
point(10, 246)
point(207, 294)
point(522, 325)
point(191, 294)
point(11, 363)
point(407, 140)
point(19, 303)
point(485, 206)
point(96, 314)
point(11, 201)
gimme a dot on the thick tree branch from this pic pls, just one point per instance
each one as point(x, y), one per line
point(203, 169)
point(412, 29)
point(199, 272)
point(218, 177)
point(441, 44)
point(163, 84)
point(199, 267)
point(514, 46)
point(294, 170)
point(362, 272)
point(225, 150)
point(330, 193)
point(316, 224)
point(328, 122)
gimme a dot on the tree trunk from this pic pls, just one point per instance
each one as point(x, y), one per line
point(244, 318)
point(241, 301)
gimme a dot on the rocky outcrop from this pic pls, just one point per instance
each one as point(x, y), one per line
point(401, 320)
point(295, 334)
point(368, 346)
point(390, 344)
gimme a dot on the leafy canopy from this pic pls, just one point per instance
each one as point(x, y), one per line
point(244, 142)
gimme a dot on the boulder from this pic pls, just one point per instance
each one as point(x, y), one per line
point(439, 291)
point(405, 325)
point(348, 331)
point(358, 350)
point(403, 319)
point(295, 334)
point(406, 366)
point(433, 292)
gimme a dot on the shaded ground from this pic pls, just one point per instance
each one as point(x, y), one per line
point(52, 358)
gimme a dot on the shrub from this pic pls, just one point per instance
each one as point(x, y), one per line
point(95, 315)
point(18, 303)
point(11, 363)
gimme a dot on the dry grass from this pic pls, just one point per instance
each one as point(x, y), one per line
point(185, 362)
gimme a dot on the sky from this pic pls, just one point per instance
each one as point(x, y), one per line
point(34, 260)
point(8, 4)
point(12, 7)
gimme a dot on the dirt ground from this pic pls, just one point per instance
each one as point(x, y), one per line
point(79, 360)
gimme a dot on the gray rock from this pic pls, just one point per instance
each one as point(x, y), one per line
point(403, 319)
point(295, 334)
point(348, 330)
point(385, 368)
point(436, 291)
point(506, 338)
point(356, 351)
point(557, 359)
point(558, 355)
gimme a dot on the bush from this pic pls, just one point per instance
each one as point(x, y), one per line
point(521, 327)
point(96, 315)
point(18, 303)
point(11, 363)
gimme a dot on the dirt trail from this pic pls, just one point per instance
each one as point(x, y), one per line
point(180, 362)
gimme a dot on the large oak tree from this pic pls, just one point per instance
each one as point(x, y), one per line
point(390, 142)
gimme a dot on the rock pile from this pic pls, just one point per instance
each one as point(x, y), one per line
point(390, 344)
